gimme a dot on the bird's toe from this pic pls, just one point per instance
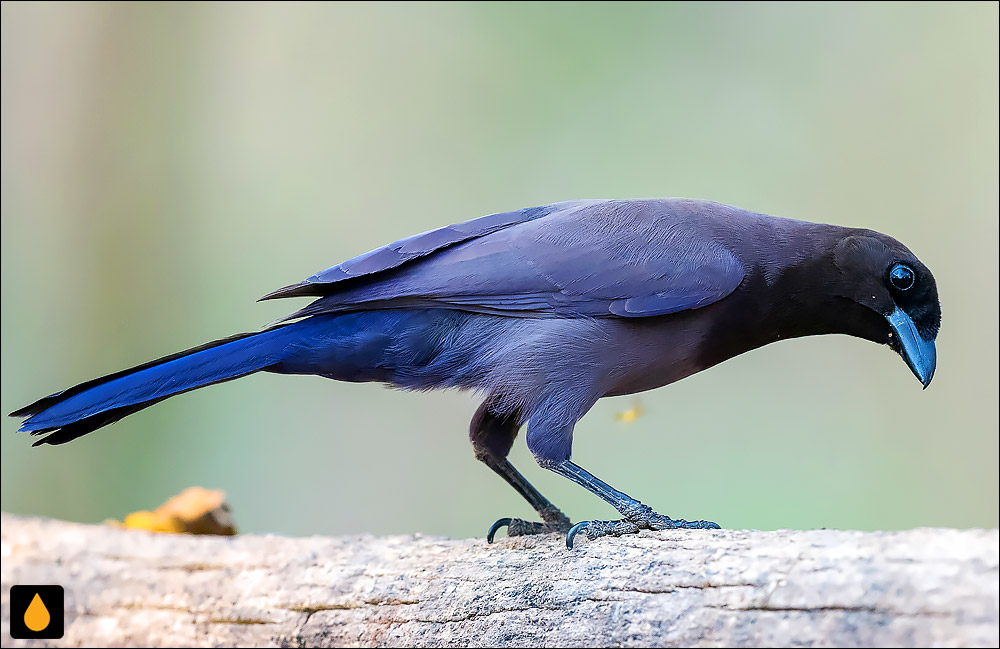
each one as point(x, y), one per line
point(554, 521)
point(649, 520)
point(660, 522)
point(515, 527)
point(596, 529)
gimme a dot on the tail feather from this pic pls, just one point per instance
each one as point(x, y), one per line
point(47, 402)
point(90, 405)
point(79, 428)
point(396, 346)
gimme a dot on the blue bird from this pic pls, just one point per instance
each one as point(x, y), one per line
point(545, 310)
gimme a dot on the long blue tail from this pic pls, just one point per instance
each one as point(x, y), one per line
point(402, 347)
point(86, 407)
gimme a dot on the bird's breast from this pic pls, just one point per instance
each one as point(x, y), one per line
point(648, 353)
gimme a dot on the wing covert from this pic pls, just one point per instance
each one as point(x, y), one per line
point(587, 258)
point(399, 252)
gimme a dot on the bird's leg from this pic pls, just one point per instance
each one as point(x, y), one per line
point(553, 519)
point(636, 515)
point(492, 436)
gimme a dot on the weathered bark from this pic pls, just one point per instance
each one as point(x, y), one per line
point(925, 587)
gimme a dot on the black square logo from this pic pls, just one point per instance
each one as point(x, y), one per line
point(36, 612)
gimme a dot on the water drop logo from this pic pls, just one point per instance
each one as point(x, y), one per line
point(36, 612)
point(37, 616)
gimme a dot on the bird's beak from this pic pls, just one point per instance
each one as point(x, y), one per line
point(919, 353)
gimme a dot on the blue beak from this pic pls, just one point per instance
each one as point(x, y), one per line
point(919, 354)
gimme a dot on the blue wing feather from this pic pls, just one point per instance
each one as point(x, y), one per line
point(636, 258)
point(399, 252)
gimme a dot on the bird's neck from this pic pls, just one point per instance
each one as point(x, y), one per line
point(786, 294)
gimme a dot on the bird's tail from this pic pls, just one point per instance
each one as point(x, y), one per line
point(74, 412)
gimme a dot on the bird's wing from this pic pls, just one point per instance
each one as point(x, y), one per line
point(587, 258)
point(420, 245)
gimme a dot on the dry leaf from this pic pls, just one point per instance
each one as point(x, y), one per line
point(193, 511)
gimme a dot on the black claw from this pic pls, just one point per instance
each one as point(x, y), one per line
point(503, 522)
point(573, 531)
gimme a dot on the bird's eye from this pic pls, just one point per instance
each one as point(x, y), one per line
point(902, 276)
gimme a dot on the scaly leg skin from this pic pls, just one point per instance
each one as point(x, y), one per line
point(554, 520)
point(636, 515)
point(492, 434)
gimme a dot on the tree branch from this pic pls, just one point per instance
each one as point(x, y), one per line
point(924, 587)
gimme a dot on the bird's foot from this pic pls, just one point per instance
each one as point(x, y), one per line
point(638, 517)
point(554, 521)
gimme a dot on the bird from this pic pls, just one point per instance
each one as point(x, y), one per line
point(544, 310)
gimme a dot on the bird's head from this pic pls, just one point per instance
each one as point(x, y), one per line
point(888, 281)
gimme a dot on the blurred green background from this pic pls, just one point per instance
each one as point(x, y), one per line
point(164, 165)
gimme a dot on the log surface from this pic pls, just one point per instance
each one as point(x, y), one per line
point(924, 587)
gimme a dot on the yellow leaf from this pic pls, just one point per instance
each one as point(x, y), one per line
point(194, 511)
